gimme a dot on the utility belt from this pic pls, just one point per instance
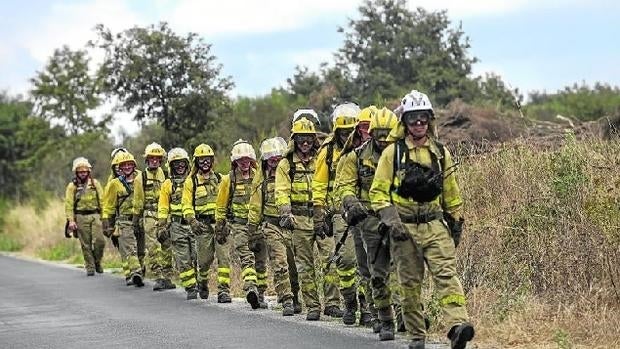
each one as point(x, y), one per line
point(124, 217)
point(178, 219)
point(87, 211)
point(272, 220)
point(238, 220)
point(306, 210)
point(206, 218)
point(421, 218)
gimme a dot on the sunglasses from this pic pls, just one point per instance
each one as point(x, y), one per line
point(304, 138)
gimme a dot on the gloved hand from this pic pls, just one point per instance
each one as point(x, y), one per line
point(287, 220)
point(355, 212)
point(197, 228)
point(455, 227)
point(398, 231)
point(256, 238)
point(319, 222)
point(162, 231)
point(107, 227)
point(221, 232)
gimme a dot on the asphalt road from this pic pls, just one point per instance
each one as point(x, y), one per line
point(44, 305)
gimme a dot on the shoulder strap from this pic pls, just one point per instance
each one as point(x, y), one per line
point(231, 192)
point(292, 168)
point(144, 175)
point(194, 186)
point(94, 184)
point(329, 159)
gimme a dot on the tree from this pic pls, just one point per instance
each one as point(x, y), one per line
point(65, 92)
point(493, 90)
point(390, 49)
point(159, 75)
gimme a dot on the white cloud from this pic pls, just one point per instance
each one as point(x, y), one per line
point(72, 25)
point(460, 9)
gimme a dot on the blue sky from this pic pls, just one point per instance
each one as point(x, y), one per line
point(534, 45)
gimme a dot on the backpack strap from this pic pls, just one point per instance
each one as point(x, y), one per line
point(231, 193)
point(292, 169)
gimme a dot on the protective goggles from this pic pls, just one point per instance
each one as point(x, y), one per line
point(304, 138)
point(416, 119)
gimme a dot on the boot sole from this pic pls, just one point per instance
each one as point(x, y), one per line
point(252, 298)
point(466, 335)
point(137, 281)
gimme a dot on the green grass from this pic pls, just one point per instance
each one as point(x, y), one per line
point(61, 251)
point(9, 244)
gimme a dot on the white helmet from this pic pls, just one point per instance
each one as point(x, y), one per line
point(345, 115)
point(177, 154)
point(242, 149)
point(116, 151)
point(308, 113)
point(415, 101)
point(81, 163)
point(271, 147)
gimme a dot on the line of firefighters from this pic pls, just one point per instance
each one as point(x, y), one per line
point(377, 197)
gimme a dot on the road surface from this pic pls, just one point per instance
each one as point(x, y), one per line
point(45, 305)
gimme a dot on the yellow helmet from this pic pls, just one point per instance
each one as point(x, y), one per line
point(203, 150)
point(303, 126)
point(367, 113)
point(242, 149)
point(177, 154)
point(124, 157)
point(383, 119)
point(273, 147)
point(154, 149)
point(345, 116)
point(81, 164)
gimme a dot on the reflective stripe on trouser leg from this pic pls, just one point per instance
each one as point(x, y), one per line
point(347, 267)
point(303, 242)
point(261, 257)
point(246, 257)
point(222, 253)
point(85, 226)
point(279, 244)
point(205, 244)
point(128, 248)
point(158, 257)
point(330, 277)
point(182, 246)
point(379, 253)
point(223, 276)
point(363, 272)
point(188, 278)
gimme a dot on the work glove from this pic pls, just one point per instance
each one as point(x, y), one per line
point(319, 222)
point(398, 231)
point(162, 231)
point(107, 227)
point(221, 232)
point(287, 220)
point(355, 212)
point(455, 227)
point(256, 239)
point(196, 226)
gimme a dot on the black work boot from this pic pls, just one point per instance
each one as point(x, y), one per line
point(313, 315)
point(333, 311)
point(287, 308)
point(400, 322)
point(128, 281)
point(203, 291)
point(416, 344)
point(261, 300)
point(223, 297)
point(169, 285)
point(137, 280)
point(296, 304)
point(387, 331)
point(459, 335)
point(90, 273)
point(192, 293)
point(376, 325)
point(98, 267)
point(252, 297)
point(366, 315)
point(159, 285)
point(350, 303)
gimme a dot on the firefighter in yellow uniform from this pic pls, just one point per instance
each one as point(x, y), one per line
point(118, 206)
point(264, 225)
point(233, 201)
point(172, 228)
point(413, 190)
point(328, 219)
point(293, 192)
point(83, 202)
point(199, 203)
point(146, 197)
point(355, 175)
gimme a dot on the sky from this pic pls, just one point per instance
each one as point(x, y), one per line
point(533, 44)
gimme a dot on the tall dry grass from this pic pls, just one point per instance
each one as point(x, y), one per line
point(540, 258)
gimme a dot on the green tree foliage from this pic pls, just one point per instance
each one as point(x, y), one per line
point(159, 75)
point(65, 92)
point(389, 49)
point(579, 101)
point(493, 91)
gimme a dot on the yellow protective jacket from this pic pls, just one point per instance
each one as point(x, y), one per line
point(146, 191)
point(298, 191)
point(382, 196)
point(356, 171)
point(233, 197)
point(82, 198)
point(325, 174)
point(117, 200)
point(200, 194)
point(170, 199)
point(262, 200)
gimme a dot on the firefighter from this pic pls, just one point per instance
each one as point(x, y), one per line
point(83, 202)
point(413, 190)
